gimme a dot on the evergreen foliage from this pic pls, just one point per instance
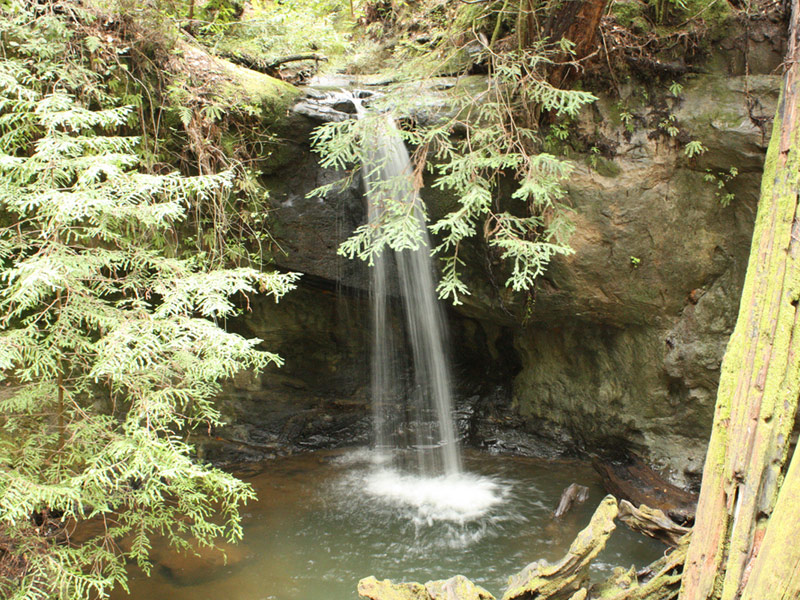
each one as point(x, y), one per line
point(110, 349)
point(273, 30)
point(492, 136)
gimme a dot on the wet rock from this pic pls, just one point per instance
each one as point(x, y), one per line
point(386, 590)
point(455, 588)
point(326, 106)
point(609, 353)
point(318, 399)
point(199, 564)
point(319, 112)
point(625, 354)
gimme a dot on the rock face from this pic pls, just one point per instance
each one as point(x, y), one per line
point(619, 347)
point(318, 398)
point(627, 335)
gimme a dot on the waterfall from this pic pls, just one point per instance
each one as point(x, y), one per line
point(420, 418)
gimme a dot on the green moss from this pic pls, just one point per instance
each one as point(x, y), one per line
point(630, 13)
point(620, 580)
point(267, 96)
point(716, 15)
point(606, 168)
point(639, 16)
point(370, 587)
point(625, 12)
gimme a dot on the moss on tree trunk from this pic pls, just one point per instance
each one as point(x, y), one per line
point(776, 569)
point(760, 381)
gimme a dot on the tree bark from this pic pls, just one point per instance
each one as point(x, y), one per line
point(269, 67)
point(776, 571)
point(572, 495)
point(759, 387)
point(577, 21)
point(562, 580)
point(652, 522)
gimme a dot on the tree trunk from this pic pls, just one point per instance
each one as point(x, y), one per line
point(577, 21)
point(758, 392)
point(776, 571)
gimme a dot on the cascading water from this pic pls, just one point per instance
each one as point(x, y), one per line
point(420, 471)
point(425, 423)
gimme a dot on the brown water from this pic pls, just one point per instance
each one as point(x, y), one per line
point(322, 523)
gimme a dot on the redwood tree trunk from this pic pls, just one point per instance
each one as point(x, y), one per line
point(776, 569)
point(577, 21)
point(738, 524)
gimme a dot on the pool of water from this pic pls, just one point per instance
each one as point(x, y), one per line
point(325, 520)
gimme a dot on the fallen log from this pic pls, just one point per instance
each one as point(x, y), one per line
point(664, 579)
point(651, 522)
point(274, 64)
point(269, 67)
point(565, 579)
point(574, 494)
point(639, 484)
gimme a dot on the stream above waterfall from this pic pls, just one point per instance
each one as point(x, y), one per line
point(325, 520)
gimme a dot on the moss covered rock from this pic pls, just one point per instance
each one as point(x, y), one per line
point(373, 589)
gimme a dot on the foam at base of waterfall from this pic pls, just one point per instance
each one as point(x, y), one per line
point(458, 498)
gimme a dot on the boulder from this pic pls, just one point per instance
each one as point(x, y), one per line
point(373, 589)
point(455, 588)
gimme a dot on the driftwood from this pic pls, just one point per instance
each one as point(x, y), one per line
point(651, 522)
point(662, 579)
point(574, 494)
point(567, 578)
point(621, 580)
point(456, 588)
point(639, 484)
point(373, 589)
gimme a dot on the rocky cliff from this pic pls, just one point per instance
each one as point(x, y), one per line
point(619, 347)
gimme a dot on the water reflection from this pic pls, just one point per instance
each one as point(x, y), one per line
point(323, 521)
